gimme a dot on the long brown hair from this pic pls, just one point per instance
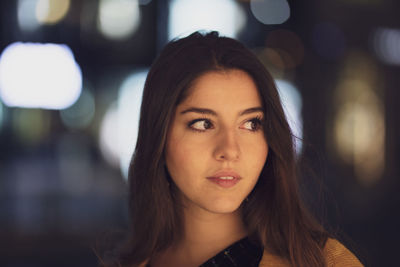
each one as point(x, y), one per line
point(274, 214)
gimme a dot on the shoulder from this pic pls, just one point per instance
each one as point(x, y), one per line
point(335, 253)
point(338, 255)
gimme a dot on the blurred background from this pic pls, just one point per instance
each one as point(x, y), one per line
point(71, 78)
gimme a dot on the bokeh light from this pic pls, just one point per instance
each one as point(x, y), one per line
point(1, 115)
point(270, 11)
point(118, 19)
point(328, 40)
point(31, 125)
point(119, 128)
point(187, 16)
point(359, 124)
point(51, 11)
point(109, 143)
point(32, 13)
point(289, 47)
point(129, 102)
point(36, 75)
point(292, 105)
point(272, 61)
point(81, 113)
point(386, 44)
point(26, 15)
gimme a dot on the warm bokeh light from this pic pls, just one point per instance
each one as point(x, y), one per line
point(81, 113)
point(26, 15)
point(274, 58)
point(270, 11)
point(51, 11)
point(386, 43)
point(272, 61)
point(36, 75)
point(187, 16)
point(289, 47)
point(118, 19)
point(292, 105)
point(328, 40)
point(359, 123)
point(32, 13)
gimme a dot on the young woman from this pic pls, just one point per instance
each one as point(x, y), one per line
point(213, 177)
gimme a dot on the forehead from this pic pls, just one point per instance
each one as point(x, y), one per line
point(232, 88)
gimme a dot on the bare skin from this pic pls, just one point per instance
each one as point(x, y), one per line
point(204, 237)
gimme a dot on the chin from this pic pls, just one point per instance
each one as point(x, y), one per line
point(224, 206)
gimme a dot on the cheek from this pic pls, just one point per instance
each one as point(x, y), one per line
point(262, 152)
point(257, 153)
point(184, 159)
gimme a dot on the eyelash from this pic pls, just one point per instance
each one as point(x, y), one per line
point(257, 120)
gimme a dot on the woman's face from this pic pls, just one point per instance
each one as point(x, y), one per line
point(216, 148)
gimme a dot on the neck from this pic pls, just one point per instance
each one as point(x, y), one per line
point(206, 228)
point(205, 234)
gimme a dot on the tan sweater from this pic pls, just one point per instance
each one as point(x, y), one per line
point(336, 255)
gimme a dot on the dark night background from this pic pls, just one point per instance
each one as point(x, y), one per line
point(61, 188)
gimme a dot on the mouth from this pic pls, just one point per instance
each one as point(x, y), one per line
point(225, 179)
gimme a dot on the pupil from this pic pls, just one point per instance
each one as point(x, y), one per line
point(255, 125)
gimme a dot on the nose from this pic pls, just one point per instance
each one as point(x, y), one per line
point(227, 146)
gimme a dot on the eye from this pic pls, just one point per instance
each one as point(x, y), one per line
point(200, 125)
point(253, 124)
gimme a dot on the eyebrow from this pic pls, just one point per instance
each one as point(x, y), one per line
point(212, 112)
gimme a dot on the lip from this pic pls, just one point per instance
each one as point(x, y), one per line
point(216, 178)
